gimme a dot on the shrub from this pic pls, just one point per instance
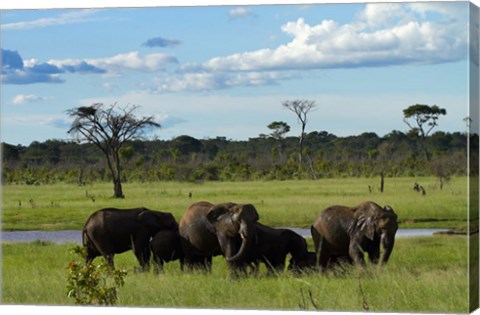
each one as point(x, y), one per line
point(93, 284)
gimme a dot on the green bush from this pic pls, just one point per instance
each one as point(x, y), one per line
point(91, 284)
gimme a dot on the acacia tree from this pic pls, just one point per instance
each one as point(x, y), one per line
point(109, 128)
point(279, 130)
point(424, 120)
point(301, 108)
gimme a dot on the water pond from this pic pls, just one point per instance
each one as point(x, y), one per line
point(75, 236)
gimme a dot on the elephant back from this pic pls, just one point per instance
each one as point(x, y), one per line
point(195, 217)
point(332, 227)
point(196, 231)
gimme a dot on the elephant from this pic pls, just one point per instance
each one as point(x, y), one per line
point(271, 247)
point(307, 263)
point(208, 230)
point(343, 233)
point(112, 231)
point(165, 246)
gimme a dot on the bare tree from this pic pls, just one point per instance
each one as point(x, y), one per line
point(301, 108)
point(109, 127)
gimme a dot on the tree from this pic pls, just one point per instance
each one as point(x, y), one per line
point(424, 120)
point(279, 129)
point(301, 108)
point(109, 128)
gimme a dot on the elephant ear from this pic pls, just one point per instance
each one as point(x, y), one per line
point(389, 211)
point(245, 212)
point(217, 211)
point(366, 225)
point(390, 215)
point(366, 215)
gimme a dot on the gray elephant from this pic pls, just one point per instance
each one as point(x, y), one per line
point(271, 247)
point(346, 233)
point(112, 231)
point(209, 230)
point(165, 246)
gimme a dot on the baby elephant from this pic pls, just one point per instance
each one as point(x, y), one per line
point(303, 264)
point(165, 247)
point(272, 247)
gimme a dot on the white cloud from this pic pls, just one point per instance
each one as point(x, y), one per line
point(22, 99)
point(81, 16)
point(109, 86)
point(57, 121)
point(382, 34)
point(132, 61)
point(188, 82)
point(206, 81)
point(380, 14)
point(240, 12)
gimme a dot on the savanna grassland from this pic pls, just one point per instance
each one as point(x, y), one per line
point(427, 274)
point(423, 275)
point(294, 203)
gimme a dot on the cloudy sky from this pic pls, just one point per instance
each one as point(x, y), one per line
point(225, 70)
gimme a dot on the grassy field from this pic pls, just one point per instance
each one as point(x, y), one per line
point(280, 203)
point(423, 275)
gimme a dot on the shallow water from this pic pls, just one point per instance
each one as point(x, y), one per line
point(400, 232)
point(75, 236)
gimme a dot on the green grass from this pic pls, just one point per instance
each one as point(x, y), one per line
point(280, 203)
point(424, 275)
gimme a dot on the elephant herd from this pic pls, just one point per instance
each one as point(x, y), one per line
point(340, 234)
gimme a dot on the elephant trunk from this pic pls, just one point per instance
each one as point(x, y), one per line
point(387, 240)
point(246, 233)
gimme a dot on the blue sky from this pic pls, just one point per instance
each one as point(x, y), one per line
point(225, 70)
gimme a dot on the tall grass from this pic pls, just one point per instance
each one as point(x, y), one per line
point(280, 203)
point(423, 275)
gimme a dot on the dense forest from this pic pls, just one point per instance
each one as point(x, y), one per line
point(219, 159)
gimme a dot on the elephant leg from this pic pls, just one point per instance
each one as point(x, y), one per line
point(142, 251)
point(321, 251)
point(207, 263)
point(280, 267)
point(356, 253)
point(323, 255)
point(373, 250)
point(374, 255)
point(104, 249)
point(109, 259)
point(188, 260)
point(229, 249)
point(91, 253)
point(197, 262)
point(100, 247)
point(255, 268)
point(272, 266)
point(182, 264)
point(157, 264)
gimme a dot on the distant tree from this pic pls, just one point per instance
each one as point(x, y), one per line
point(109, 128)
point(301, 108)
point(422, 119)
point(187, 145)
point(279, 130)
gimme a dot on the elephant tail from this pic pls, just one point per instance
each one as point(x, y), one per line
point(85, 237)
point(317, 243)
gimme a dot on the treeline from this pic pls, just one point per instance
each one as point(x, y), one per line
point(188, 159)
